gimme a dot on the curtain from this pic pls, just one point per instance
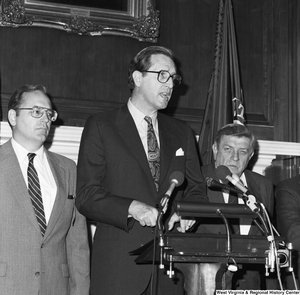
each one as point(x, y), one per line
point(225, 97)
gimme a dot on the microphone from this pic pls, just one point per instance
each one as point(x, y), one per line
point(251, 201)
point(224, 173)
point(176, 179)
point(210, 182)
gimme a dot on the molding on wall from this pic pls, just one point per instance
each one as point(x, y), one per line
point(75, 112)
point(65, 140)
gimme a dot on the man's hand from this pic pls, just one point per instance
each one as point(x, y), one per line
point(146, 215)
point(185, 224)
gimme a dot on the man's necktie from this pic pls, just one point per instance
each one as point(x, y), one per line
point(233, 222)
point(35, 194)
point(153, 152)
point(244, 221)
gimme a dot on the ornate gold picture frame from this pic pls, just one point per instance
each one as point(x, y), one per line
point(137, 19)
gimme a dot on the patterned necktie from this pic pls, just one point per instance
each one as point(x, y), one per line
point(35, 194)
point(153, 152)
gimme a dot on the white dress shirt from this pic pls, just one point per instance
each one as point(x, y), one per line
point(245, 223)
point(142, 125)
point(41, 164)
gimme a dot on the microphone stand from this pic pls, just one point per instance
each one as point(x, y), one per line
point(228, 250)
point(162, 210)
point(160, 237)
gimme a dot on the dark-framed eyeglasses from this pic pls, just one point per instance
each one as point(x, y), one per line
point(164, 76)
point(38, 112)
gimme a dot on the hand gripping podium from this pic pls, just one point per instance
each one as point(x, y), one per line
point(203, 258)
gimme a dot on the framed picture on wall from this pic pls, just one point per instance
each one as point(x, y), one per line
point(137, 19)
point(116, 5)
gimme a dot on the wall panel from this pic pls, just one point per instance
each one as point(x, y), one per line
point(85, 75)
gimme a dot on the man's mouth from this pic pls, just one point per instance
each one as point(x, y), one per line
point(165, 95)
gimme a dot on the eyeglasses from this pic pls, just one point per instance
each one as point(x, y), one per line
point(38, 112)
point(164, 76)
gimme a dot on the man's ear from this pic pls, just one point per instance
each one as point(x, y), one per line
point(137, 77)
point(12, 115)
point(215, 149)
point(251, 155)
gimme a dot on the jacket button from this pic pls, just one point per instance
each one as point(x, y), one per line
point(37, 274)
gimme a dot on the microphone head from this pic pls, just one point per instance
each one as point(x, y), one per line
point(177, 177)
point(208, 181)
point(223, 171)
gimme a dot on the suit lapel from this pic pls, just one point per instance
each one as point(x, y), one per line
point(167, 150)
point(17, 183)
point(253, 186)
point(215, 196)
point(254, 189)
point(128, 132)
point(59, 174)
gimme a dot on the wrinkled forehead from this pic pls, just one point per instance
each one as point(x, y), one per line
point(239, 141)
point(164, 61)
point(36, 98)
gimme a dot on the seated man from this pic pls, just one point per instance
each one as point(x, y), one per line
point(234, 147)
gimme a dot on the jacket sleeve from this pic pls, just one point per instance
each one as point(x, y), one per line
point(93, 199)
point(288, 213)
point(78, 249)
point(196, 188)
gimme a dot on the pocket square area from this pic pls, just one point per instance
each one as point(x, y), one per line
point(179, 152)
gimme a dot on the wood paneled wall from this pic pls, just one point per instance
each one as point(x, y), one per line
point(85, 75)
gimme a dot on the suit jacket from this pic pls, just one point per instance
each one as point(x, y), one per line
point(287, 209)
point(56, 264)
point(113, 171)
point(288, 214)
point(260, 186)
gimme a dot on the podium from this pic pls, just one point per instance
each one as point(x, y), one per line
point(203, 258)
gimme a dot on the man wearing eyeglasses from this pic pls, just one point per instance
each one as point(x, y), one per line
point(43, 238)
point(125, 161)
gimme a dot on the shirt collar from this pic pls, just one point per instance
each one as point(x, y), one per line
point(22, 153)
point(243, 179)
point(139, 116)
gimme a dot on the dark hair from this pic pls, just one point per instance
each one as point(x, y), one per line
point(142, 61)
point(237, 130)
point(16, 99)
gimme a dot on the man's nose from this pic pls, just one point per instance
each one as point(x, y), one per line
point(170, 83)
point(45, 117)
point(235, 155)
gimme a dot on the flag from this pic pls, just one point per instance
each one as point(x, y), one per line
point(224, 103)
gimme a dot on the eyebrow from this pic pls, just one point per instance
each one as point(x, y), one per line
point(241, 148)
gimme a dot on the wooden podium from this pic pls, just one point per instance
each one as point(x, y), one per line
point(203, 258)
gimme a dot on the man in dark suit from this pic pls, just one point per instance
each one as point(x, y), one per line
point(116, 186)
point(287, 196)
point(234, 147)
point(44, 249)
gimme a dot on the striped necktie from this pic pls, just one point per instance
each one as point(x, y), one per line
point(35, 194)
point(153, 152)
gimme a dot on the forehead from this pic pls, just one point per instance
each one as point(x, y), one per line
point(35, 98)
point(241, 142)
point(161, 61)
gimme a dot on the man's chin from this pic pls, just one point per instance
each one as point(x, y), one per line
point(234, 171)
point(42, 136)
